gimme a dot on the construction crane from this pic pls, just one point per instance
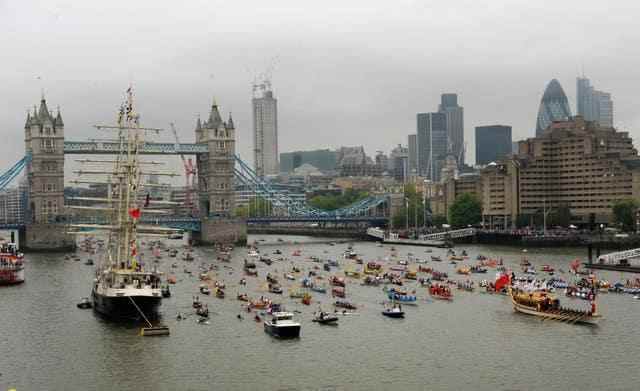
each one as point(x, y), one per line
point(190, 175)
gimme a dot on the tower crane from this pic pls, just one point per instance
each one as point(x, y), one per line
point(190, 175)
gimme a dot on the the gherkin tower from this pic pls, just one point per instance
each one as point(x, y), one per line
point(554, 106)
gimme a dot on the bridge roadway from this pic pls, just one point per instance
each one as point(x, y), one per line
point(194, 224)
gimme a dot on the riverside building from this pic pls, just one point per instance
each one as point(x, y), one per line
point(575, 163)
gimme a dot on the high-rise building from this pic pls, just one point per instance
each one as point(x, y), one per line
point(323, 159)
point(412, 147)
point(399, 162)
point(432, 142)
point(594, 105)
point(554, 106)
point(604, 109)
point(455, 125)
point(493, 143)
point(265, 131)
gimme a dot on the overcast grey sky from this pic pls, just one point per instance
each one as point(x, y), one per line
point(345, 72)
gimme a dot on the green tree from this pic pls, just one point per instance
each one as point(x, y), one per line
point(523, 220)
point(624, 212)
point(333, 202)
point(438, 220)
point(465, 210)
point(561, 216)
point(241, 211)
point(416, 210)
point(258, 206)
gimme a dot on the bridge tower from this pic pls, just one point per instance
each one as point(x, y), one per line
point(216, 193)
point(44, 140)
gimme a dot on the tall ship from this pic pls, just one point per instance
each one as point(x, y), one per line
point(11, 264)
point(124, 287)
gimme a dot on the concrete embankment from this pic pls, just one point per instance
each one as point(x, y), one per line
point(353, 233)
point(608, 242)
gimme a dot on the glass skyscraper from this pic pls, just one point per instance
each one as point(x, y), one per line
point(455, 125)
point(554, 106)
point(493, 143)
point(594, 105)
point(432, 142)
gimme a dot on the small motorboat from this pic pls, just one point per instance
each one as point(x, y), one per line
point(171, 280)
point(84, 303)
point(251, 272)
point(306, 299)
point(196, 302)
point(478, 269)
point(319, 288)
point(325, 318)
point(282, 325)
point(436, 258)
point(203, 311)
point(165, 291)
point(275, 288)
point(243, 297)
point(89, 261)
point(204, 289)
point(296, 294)
point(393, 312)
point(338, 292)
point(344, 304)
point(464, 270)
point(219, 293)
point(336, 281)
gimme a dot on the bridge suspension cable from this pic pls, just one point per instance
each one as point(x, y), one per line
point(14, 171)
point(248, 177)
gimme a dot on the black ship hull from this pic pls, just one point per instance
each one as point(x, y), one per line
point(121, 307)
point(282, 331)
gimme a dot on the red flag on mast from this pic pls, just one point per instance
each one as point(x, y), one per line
point(134, 213)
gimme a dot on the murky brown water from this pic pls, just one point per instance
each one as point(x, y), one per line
point(475, 342)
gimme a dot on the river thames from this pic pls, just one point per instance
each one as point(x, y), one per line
point(476, 342)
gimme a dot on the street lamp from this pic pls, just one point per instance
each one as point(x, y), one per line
point(406, 206)
point(426, 187)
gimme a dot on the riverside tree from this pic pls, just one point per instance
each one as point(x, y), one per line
point(624, 212)
point(465, 210)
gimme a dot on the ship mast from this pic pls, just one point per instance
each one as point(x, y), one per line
point(127, 176)
point(123, 182)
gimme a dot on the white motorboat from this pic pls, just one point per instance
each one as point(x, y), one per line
point(282, 325)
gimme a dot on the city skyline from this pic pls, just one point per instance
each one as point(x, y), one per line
point(329, 93)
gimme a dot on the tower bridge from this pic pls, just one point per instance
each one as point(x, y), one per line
point(218, 168)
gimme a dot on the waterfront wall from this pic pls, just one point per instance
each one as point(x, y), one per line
point(221, 231)
point(47, 237)
point(608, 242)
point(353, 233)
